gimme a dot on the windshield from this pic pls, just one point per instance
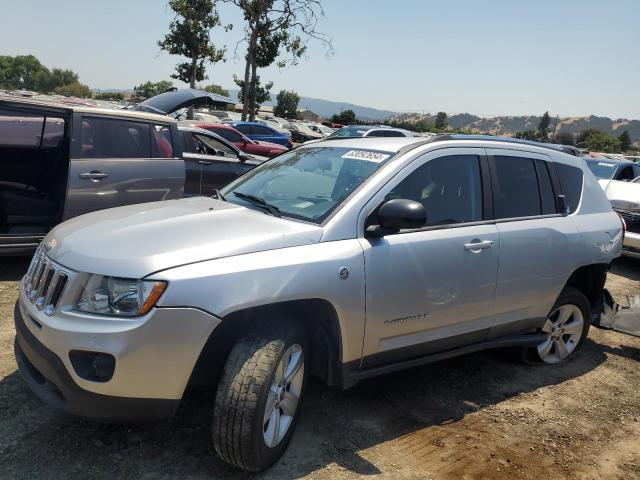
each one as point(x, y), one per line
point(307, 183)
point(349, 132)
point(602, 170)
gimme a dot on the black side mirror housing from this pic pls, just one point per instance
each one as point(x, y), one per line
point(398, 214)
point(243, 157)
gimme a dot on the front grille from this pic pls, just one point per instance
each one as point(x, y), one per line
point(44, 283)
point(632, 220)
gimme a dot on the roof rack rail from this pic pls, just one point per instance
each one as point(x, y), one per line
point(458, 136)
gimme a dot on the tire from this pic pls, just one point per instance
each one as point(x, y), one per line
point(251, 383)
point(567, 324)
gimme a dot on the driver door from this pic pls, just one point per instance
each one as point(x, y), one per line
point(432, 289)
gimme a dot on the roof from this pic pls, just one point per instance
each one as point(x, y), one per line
point(44, 101)
point(615, 161)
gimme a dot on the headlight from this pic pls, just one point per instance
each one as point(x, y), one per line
point(119, 296)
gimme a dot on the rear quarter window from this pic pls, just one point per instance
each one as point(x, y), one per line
point(571, 182)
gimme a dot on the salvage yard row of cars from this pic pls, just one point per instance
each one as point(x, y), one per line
point(342, 259)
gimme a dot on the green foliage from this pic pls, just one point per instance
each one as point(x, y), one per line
point(625, 141)
point(441, 121)
point(287, 104)
point(150, 89)
point(533, 135)
point(108, 96)
point(597, 141)
point(346, 117)
point(263, 93)
point(189, 37)
point(543, 127)
point(26, 72)
point(74, 90)
point(564, 138)
point(217, 89)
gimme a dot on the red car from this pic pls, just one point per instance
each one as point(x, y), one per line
point(244, 143)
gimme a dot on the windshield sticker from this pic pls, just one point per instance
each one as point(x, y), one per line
point(365, 155)
point(606, 164)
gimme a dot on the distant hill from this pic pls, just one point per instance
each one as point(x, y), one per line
point(510, 125)
point(327, 108)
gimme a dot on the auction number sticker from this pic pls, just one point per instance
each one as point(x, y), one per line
point(366, 155)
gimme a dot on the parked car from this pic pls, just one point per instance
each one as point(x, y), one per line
point(273, 124)
point(211, 162)
point(356, 131)
point(262, 133)
point(344, 260)
point(606, 169)
point(301, 133)
point(625, 200)
point(244, 143)
point(58, 161)
point(323, 129)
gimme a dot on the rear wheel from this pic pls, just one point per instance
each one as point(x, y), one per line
point(258, 399)
point(566, 328)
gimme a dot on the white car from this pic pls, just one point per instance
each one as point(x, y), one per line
point(625, 200)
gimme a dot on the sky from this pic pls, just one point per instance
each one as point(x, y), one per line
point(491, 57)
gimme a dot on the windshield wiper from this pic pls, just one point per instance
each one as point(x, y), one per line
point(261, 202)
point(217, 194)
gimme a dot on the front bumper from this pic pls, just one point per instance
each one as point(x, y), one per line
point(154, 358)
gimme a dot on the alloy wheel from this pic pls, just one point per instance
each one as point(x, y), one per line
point(564, 327)
point(284, 396)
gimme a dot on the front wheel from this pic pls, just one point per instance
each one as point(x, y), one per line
point(566, 328)
point(258, 399)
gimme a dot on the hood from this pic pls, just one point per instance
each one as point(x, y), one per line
point(137, 240)
point(169, 102)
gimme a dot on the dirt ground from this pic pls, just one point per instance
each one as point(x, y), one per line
point(479, 416)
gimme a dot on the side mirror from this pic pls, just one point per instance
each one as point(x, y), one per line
point(220, 153)
point(398, 214)
point(243, 157)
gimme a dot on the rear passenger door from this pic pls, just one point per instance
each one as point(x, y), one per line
point(121, 161)
point(536, 240)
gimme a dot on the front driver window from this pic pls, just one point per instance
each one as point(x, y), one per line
point(448, 187)
point(212, 146)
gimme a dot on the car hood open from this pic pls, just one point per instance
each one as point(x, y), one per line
point(169, 102)
point(137, 240)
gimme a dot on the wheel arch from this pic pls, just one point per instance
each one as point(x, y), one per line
point(590, 280)
point(318, 316)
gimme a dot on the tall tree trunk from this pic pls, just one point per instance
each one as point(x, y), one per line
point(253, 90)
point(192, 84)
point(246, 94)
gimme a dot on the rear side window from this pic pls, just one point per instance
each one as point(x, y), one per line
point(260, 130)
point(161, 142)
point(547, 196)
point(246, 129)
point(571, 183)
point(27, 130)
point(515, 188)
point(448, 187)
point(114, 138)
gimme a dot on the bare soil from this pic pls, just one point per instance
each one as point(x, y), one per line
point(479, 416)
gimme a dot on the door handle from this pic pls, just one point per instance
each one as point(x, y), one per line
point(477, 246)
point(204, 162)
point(94, 175)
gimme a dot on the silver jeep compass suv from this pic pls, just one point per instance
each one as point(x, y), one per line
point(344, 259)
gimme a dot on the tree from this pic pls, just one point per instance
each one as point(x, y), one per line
point(189, 36)
point(441, 121)
point(528, 135)
point(346, 117)
point(262, 94)
point(217, 89)
point(108, 96)
point(564, 138)
point(581, 141)
point(150, 89)
point(74, 90)
point(543, 127)
point(597, 141)
point(287, 104)
point(270, 25)
point(625, 141)
point(26, 72)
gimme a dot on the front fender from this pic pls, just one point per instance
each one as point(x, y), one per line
point(227, 285)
